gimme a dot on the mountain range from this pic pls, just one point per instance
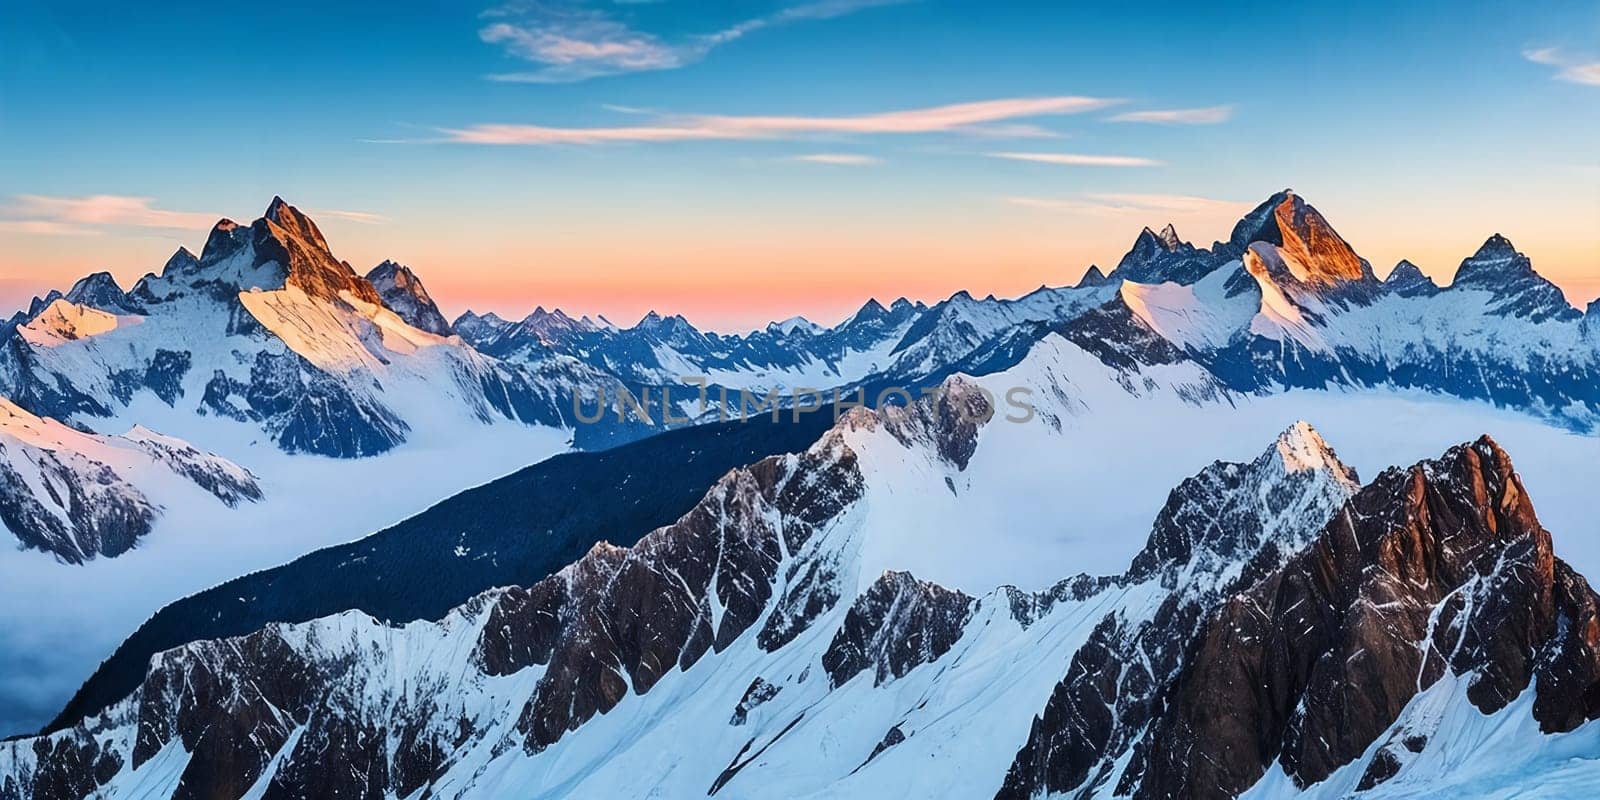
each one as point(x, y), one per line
point(267, 328)
point(938, 596)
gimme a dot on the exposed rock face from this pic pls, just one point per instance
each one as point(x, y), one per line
point(87, 512)
point(1439, 568)
point(1589, 329)
point(1219, 530)
point(403, 293)
point(899, 623)
point(1307, 241)
point(618, 619)
point(292, 240)
point(306, 410)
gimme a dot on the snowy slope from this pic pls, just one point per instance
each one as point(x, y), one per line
point(78, 495)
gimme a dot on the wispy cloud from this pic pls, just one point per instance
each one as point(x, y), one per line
point(1135, 206)
point(839, 159)
point(1572, 70)
point(1178, 116)
point(363, 217)
point(667, 128)
point(94, 215)
point(574, 41)
point(1080, 159)
point(61, 216)
point(1125, 203)
point(44, 227)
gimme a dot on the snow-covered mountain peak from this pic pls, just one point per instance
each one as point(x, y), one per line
point(225, 239)
point(550, 328)
point(182, 260)
point(1091, 277)
point(671, 327)
point(280, 249)
point(291, 240)
point(1315, 253)
point(1508, 275)
point(402, 291)
point(1495, 263)
point(793, 325)
point(1496, 247)
point(1228, 515)
point(1406, 280)
point(1259, 224)
point(479, 329)
point(869, 311)
point(1301, 448)
point(1162, 257)
point(100, 290)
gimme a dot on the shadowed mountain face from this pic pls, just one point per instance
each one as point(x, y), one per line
point(402, 292)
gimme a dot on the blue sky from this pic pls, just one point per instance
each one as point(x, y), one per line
point(739, 161)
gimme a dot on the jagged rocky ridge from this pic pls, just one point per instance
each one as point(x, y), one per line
point(78, 496)
point(745, 628)
point(1283, 302)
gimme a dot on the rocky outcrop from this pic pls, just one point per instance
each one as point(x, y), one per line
point(305, 409)
point(402, 292)
point(618, 619)
point(899, 623)
point(1222, 529)
point(1439, 568)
